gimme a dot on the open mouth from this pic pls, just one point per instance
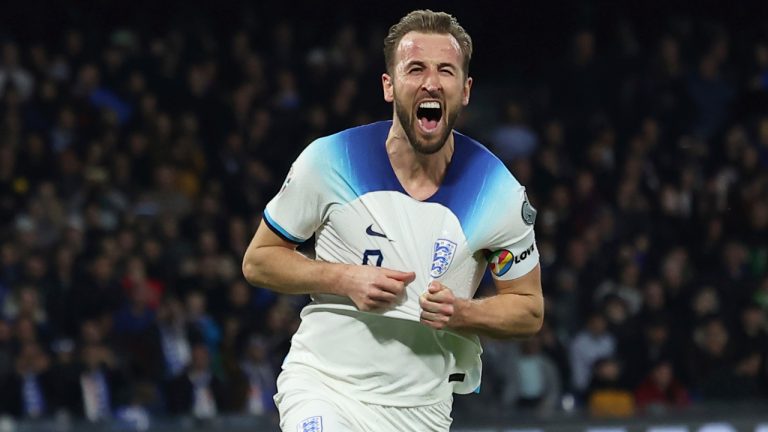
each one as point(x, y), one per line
point(429, 114)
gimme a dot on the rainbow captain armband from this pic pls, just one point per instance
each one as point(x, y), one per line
point(500, 262)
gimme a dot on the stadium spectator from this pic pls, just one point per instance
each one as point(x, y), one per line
point(101, 385)
point(167, 348)
point(608, 394)
point(513, 138)
point(591, 343)
point(29, 391)
point(197, 392)
point(641, 352)
point(538, 385)
point(661, 390)
point(13, 74)
point(259, 375)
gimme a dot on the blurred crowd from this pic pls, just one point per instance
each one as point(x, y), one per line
point(134, 166)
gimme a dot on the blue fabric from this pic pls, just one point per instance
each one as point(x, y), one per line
point(105, 98)
point(34, 402)
point(473, 177)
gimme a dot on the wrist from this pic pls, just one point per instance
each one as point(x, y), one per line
point(333, 278)
point(459, 319)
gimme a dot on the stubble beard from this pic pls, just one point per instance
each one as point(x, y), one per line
point(420, 146)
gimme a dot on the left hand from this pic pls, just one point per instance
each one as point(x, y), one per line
point(437, 306)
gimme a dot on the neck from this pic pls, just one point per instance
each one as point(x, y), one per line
point(420, 174)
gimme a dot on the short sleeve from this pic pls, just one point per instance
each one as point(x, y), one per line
point(297, 210)
point(512, 251)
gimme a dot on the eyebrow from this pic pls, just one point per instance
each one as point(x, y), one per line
point(423, 64)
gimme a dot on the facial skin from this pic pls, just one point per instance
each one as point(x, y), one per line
point(427, 67)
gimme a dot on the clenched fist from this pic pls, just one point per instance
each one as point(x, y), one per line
point(437, 306)
point(372, 288)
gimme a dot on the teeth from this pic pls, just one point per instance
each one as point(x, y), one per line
point(430, 105)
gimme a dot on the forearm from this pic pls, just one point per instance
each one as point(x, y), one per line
point(287, 271)
point(499, 316)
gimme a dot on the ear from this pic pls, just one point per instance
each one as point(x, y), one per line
point(388, 86)
point(466, 91)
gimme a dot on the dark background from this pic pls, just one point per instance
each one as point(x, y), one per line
point(141, 147)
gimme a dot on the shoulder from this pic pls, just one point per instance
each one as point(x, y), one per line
point(479, 165)
point(353, 142)
point(355, 158)
point(478, 189)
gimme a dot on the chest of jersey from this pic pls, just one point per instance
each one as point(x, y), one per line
point(390, 229)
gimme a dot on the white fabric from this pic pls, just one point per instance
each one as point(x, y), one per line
point(343, 190)
point(307, 404)
point(203, 403)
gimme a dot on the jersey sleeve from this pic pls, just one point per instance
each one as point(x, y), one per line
point(298, 209)
point(512, 251)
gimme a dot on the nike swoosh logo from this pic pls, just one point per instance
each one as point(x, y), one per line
point(373, 233)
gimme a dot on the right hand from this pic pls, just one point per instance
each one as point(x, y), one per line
point(372, 288)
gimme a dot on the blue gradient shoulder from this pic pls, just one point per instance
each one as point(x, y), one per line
point(482, 161)
point(352, 143)
point(478, 188)
point(354, 161)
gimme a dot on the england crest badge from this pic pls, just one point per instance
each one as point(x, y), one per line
point(442, 256)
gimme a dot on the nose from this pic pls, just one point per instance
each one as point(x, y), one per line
point(431, 82)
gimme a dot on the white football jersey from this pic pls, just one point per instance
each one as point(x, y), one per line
point(343, 189)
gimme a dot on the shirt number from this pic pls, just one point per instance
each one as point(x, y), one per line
point(373, 257)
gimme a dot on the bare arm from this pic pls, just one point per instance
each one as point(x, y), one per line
point(273, 263)
point(516, 310)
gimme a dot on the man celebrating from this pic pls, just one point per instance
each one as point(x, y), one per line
point(407, 214)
